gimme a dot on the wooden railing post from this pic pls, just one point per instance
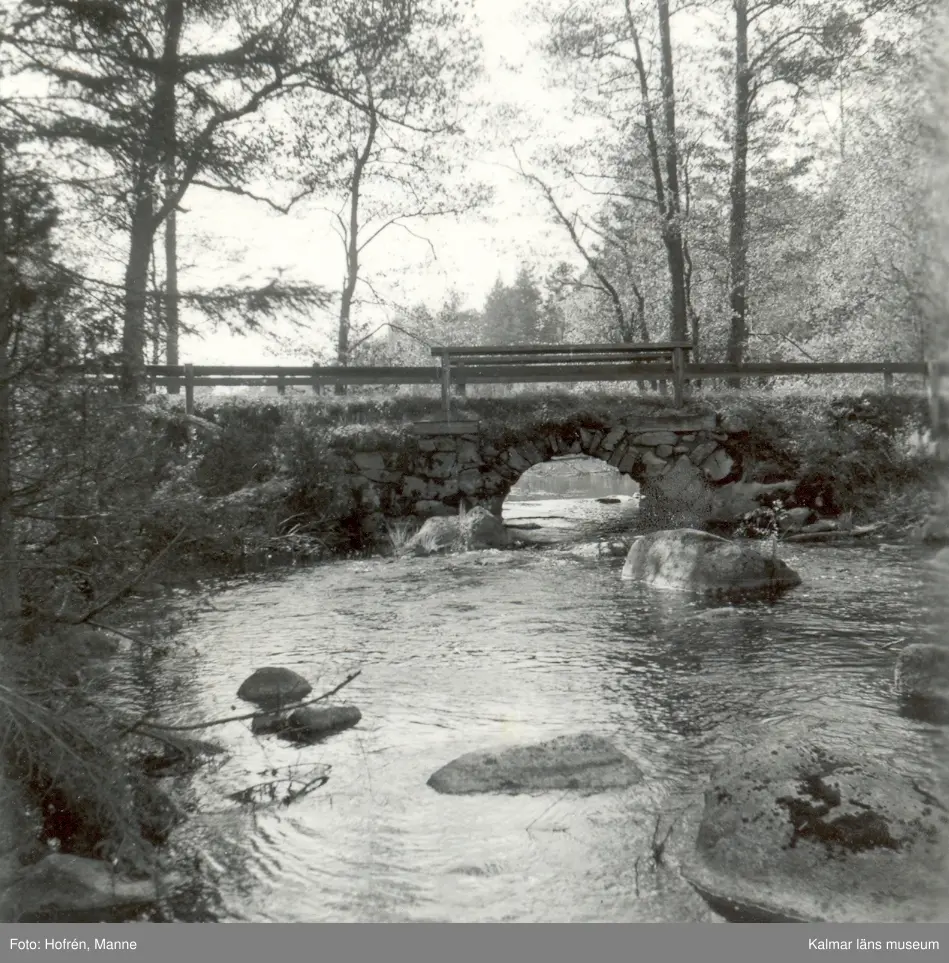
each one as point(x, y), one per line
point(189, 389)
point(317, 383)
point(678, 376)
point(446, 385)
point(281, 384)
point(938, 411)
point(460, 387)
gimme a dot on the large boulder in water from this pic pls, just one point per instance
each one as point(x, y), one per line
point(584, 762)
point(688, 560)
point(273, 686)
point(476, 529)
point(794, 832)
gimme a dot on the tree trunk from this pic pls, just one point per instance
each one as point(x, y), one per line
point(171, 231)
point(143, 222)
point(345, 310)
point(9, 562)
point(171, 294)
point(136, 297)
point(10, 602)
point(672, 228)
point(737, 228)
point(360, 162)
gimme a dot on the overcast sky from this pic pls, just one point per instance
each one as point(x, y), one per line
point(469, 255)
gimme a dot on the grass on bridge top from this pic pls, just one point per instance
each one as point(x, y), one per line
point(386, 419)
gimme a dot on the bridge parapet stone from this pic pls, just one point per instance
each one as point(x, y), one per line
point(468, 453)
point(632, 457)
point(618, 454)
point(613, 438)
point(426, 508)
point(718, 465)
point(702, 451)
point(471, 481)
point(655, 438)
point(672, 422)
point(370, 460)
point(517, 461)
point(532, 453)
point(438, 443)
point(444, 464)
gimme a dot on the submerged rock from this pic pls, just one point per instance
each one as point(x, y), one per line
point(75, 889)
point(611, 549)
point(271, 686)
point(921, 677)
point(794, 832)
point(477, 529)
point(315, 721)
point(693, 561)
point(269, 724)
point(940, 559)
point(584, 762)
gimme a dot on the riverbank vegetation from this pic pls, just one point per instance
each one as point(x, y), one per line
point(730, 214)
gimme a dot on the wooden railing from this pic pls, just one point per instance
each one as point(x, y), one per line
point(563, 362)
point(659, 364)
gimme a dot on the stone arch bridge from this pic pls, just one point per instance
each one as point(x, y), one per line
point(679, 460)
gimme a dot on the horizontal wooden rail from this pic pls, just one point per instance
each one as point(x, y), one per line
point(525, 359)
point(756, 369)
point(628, 371)
point(456, 351)
point(361, 375)
point(517, 364)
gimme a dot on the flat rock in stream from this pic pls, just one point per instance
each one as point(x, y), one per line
point(613, 549)
point(794, 832)
point(585, 762)
point(272, 686)
point(314, 722)
point(270, 723)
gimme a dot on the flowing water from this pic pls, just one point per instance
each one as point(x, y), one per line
point(490, 649)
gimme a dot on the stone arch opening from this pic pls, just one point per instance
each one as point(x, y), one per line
point(675, 465)
point(573, 477)
point(573, 495)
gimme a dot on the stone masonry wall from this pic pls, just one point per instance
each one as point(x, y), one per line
point(678, 460)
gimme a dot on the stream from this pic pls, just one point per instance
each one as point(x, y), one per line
point(486, 649)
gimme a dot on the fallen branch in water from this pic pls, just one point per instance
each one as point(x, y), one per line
point(835, 535)
point(266, 792)
point(247, 715)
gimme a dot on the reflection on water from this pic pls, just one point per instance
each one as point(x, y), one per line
point(459, 655)
point(490, 649)
point(572, 477)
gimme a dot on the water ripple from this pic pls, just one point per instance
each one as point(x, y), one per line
point(486, 650)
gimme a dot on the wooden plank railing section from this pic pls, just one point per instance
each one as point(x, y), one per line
point(459, 366)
